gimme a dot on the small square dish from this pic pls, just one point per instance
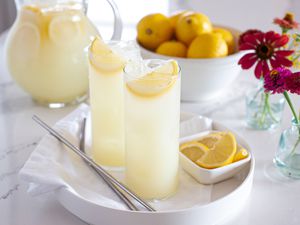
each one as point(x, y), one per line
point(211, 176)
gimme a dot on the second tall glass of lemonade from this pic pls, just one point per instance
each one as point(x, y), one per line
point(152, 114)
point(107, 103)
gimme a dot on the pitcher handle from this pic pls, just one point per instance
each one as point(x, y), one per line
point(118, 25)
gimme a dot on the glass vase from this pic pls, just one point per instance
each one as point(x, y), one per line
point(263, 110)
point(287, 157)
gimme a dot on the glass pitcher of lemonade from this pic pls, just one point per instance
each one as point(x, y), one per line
point(47, 49)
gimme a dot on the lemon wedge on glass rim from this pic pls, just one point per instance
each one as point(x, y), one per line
point(104, 59)
point(158, 81)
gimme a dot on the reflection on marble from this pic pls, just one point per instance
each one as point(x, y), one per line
point(15, 149)
point(13, 99)
point(19, 135)
point(9, 183)
point(10, 173)
point(10, 192)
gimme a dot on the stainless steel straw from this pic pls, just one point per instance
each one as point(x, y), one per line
point(115, 189)
point(90, 161)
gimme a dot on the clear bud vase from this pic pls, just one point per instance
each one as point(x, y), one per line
point(263, 110)
point(287, 157)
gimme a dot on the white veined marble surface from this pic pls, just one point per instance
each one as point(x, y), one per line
point(274, 199)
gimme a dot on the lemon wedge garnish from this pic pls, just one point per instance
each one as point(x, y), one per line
point(193, 150)
point(221, 154)
point(240, 154)
point(104, 59)
point(157, 82)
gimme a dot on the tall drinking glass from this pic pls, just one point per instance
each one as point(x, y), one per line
point(106, 64)
point(152, 111)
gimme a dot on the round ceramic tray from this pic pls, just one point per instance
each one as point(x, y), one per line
point(229, 194)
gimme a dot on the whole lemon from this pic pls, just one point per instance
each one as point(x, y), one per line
point(227, 36)
point(172, 48)
point(175, 17)
point(191, 25)
point(209, 45)
point(154, 29)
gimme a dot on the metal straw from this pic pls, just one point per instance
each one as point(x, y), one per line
point(90, 161)
point(115, 189)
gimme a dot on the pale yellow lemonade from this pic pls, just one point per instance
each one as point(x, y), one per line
point(107, 100)
point(152, 111)
point(46, 51)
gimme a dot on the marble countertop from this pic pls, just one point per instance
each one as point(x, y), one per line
point(274, 199)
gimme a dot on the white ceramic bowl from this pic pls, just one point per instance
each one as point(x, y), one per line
point(211, 176)
point(205, 79)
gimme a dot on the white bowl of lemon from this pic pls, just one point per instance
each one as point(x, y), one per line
point(208, 55)
point(213, 156)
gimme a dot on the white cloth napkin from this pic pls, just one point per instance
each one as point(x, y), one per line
point(52, 166)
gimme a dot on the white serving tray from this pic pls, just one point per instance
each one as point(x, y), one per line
point(226, 199)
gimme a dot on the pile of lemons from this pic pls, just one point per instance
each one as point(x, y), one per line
point(184, 34)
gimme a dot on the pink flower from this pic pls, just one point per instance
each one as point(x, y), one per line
point(292, 83)
point(275, 80)
point(243, 35)
point(287, 23)
point(266, 49)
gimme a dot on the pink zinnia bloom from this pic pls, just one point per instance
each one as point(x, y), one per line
point(274, 81)
point(292, 83)
point(266, 50)
point(287, 23)
point(243, 35)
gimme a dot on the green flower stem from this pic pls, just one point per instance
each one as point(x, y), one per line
point(284, 30)
point(255, 95)
point(266, 110)
point(287, 97)
point(295, 146)
point(263, 115)
point(269, 109)
point(295, 58)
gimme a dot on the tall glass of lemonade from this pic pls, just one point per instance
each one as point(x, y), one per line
point(106, 64)
point(152, 111)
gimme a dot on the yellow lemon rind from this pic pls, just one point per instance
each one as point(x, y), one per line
point(206, 162)
point(172, 80)
point(184, 148)
point(109, 57)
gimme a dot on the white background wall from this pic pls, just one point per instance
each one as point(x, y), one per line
point(241, 14)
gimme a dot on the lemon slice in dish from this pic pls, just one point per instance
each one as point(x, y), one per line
point(240, 154)
point(193, 150)
point(211, 139)
point(156, 82)
point(221, 154)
